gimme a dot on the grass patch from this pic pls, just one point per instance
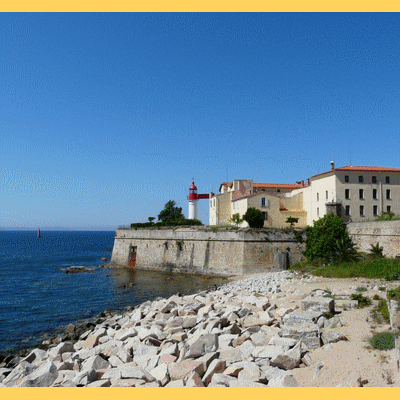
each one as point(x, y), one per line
point(394, 294)
point(376, 297)
point(361, 289)
point(367, 267)
point(327, 315)
point(362, 301)
point(382, 341)
point(384, 310)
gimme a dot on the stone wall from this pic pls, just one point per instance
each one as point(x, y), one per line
point(387, 233)
point(204, 251)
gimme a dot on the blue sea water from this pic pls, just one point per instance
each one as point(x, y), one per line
point(37, 296)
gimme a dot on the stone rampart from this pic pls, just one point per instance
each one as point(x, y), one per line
point(205, 251)
point(386, 233)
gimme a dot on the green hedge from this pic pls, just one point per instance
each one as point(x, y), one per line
point(179, 222)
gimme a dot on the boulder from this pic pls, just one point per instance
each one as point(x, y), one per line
point(179, 370)
point(283, 381)
point(204, 344)
point(216, 366)
point(333, 323)
point(332, 336)
point(43, 376)
point(193, 380)
point(318, 303)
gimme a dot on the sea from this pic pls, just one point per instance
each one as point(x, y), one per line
point(37, 296)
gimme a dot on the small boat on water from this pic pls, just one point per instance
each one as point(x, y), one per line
point(38, 233)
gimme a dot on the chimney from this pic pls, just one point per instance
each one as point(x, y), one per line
point(302, 183)
point(332, 165)
point(308, 181)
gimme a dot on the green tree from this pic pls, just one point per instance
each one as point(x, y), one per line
point(292, 221)
point(254, 217)
point(236, 219)
point(151, 219)
point(323, 237)
point(170, 212)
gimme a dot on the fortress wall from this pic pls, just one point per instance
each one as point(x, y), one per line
point(204, 251)
point(387, 233)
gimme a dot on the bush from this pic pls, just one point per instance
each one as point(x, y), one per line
point(344, 250)
point(254, 217)
point(376, 250)
point(387, 216)
point(362, 301)
point(178, 222)
point(382, 341)
point(328, 240)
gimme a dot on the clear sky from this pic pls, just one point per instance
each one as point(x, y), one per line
point(106, 117)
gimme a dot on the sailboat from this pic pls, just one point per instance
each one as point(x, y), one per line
point(38, 233)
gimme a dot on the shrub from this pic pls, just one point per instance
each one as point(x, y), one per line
point(292, 221)
point(382, 341)
point(361, 289)
point(362, 301)
point(344, 250)
point(322, 236)
point(376, 251)
point(254, 217)
point(387, 216)
point(376, 297)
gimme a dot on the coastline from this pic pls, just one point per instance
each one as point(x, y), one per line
point(235, 335)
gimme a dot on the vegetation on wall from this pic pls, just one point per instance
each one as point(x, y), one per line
point(170, 212)
point(171, 215)
point(236, 219)
point(387, 216)
point(292, 221)
point(254, 217)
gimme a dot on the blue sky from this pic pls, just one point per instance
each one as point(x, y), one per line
point(106, 117)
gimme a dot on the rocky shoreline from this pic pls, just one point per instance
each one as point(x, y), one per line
point(252, 332)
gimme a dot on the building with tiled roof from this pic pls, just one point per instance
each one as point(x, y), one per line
point(356, 193)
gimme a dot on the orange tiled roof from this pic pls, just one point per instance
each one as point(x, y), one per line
point(277, 185)
point(355, 168)
point(367, 169)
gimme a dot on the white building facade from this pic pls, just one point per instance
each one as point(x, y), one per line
point(355, 193)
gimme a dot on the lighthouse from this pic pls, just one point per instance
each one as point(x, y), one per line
point(193, 201)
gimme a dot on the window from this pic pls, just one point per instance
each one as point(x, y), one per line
point(374, 179)
point(374, 194)
point(346, 178)
point(214, 202)
point(388, 208)
point(210, 203)
point(361, 191)
point(264, 202)
point(317, 196)
point(347, 193)
point(361, 179)
point(388, 194)
point(361, 211)
point(265, 216)
point(375, 211)
point(317, 212)
point(347, 210)
point(327, 195)
point(279, 190)
point(387, 180)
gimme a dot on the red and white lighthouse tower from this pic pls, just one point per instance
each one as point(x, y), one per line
point(193, 201)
